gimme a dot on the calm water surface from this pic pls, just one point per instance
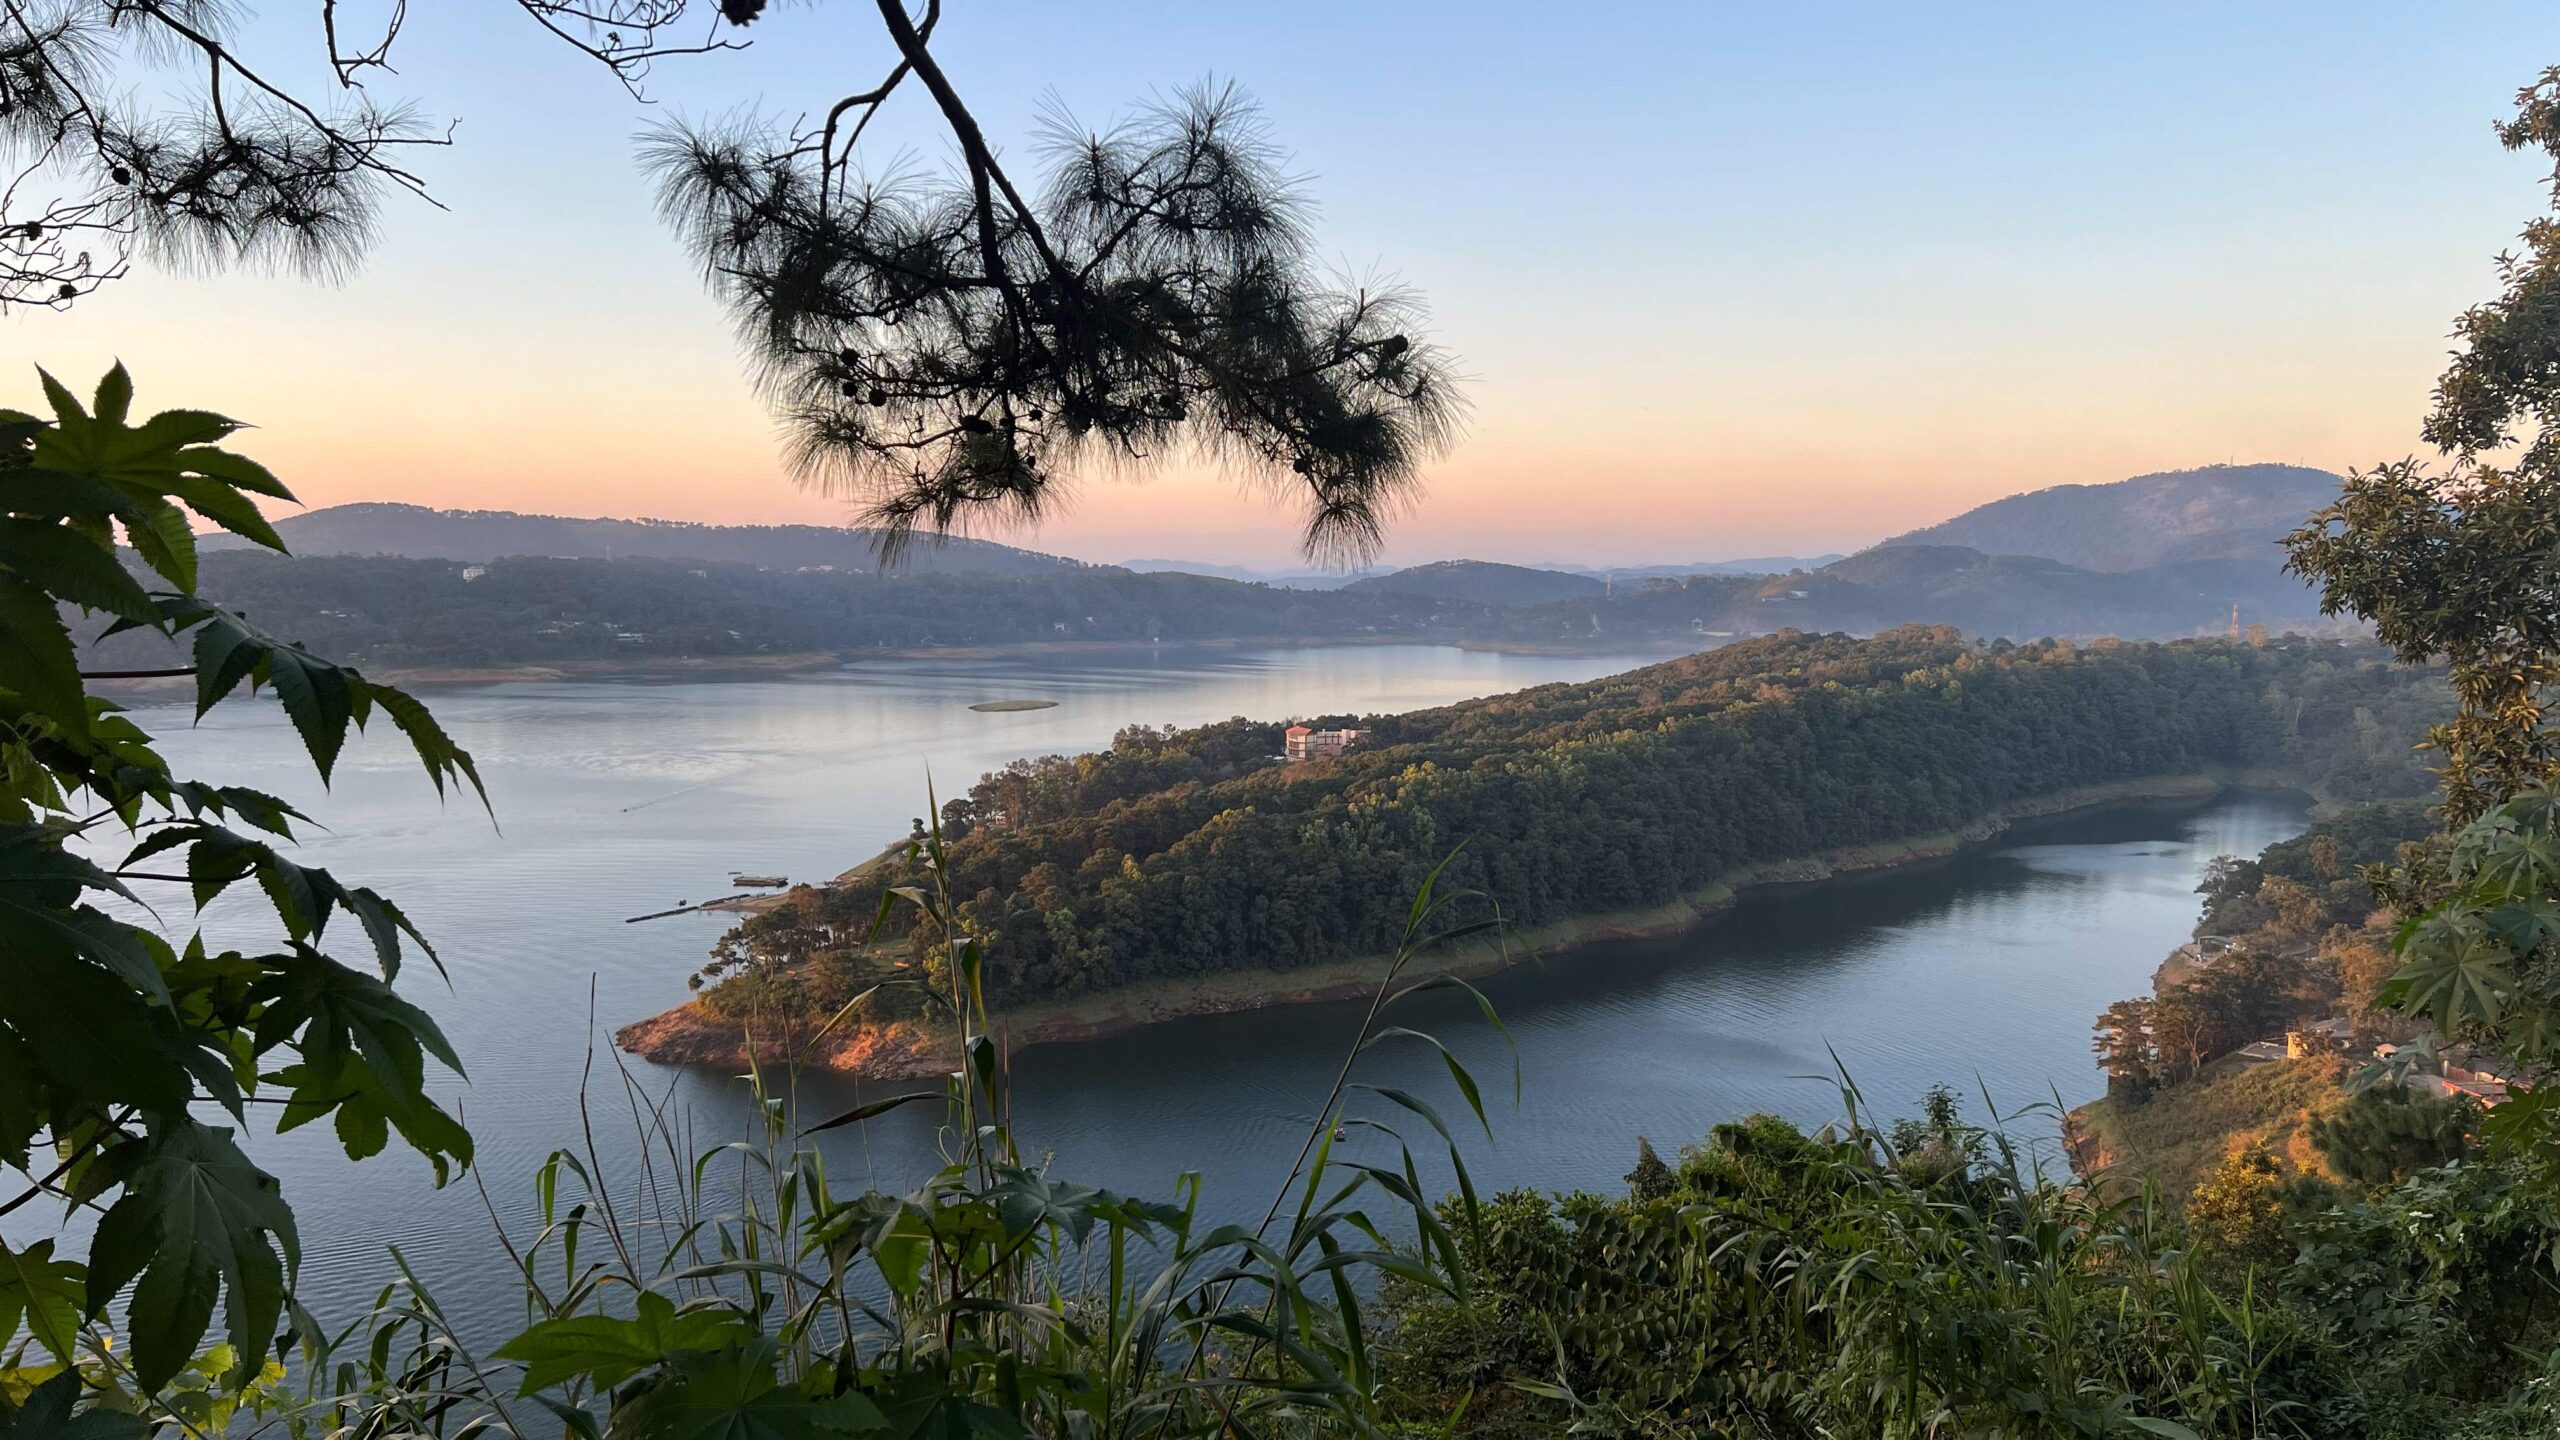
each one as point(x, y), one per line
point(618, 799)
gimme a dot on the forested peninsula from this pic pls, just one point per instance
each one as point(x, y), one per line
point(1189, 870)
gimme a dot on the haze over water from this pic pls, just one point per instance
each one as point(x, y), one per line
point(614, 800)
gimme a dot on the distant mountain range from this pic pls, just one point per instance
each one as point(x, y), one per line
point(1749, 565)
point(2179, 553)
point(1335, 580)
point(2158, 556)
point(2014, 596)
point(1280, 579)
point(418, 533)
point(2220, 512)
point(1484, 582)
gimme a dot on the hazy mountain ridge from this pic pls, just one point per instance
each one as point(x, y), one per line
point(2016, 597)
point(405, 613)
point(478, 588)
point(1484, 582)
point(1747, 565)
point(1277, 579)
point(477, 536)
point(2215, 512)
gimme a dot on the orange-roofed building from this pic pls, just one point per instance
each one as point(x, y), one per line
point(1306, 743)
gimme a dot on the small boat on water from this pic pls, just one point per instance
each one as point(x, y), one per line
point(760, 882)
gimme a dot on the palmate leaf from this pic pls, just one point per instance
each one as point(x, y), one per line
point(2522, 1121)
point(257, 807)
point(324, 700)
point(364, 1112)
point(42, 1294)
point(158, 532)
point(609, 1349)
point(919, 1404)
point(37, 663)
point(736, 1395)
point(91, 1039)
point(170, 455)
point(360, 1048)
point(40, 886)
point(110, 1042)
point(2501, 857)
point(48, 1415)
point(2455, 973)
point(436, 750)
point(2526, 924)
point(62, 562)
point(304, 897)
point(197, 1223)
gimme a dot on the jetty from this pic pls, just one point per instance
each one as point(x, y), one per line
point(689, 909)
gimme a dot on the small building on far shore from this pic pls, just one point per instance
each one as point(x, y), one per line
point(1306, 743)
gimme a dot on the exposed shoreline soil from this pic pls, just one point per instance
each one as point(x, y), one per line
point(691, 1035)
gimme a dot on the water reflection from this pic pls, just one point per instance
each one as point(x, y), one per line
point(617, 800)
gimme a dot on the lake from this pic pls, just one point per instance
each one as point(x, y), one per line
point(618, 799)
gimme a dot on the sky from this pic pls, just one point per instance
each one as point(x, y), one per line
point(1728, 279)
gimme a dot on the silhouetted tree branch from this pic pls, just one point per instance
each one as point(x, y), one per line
point(943, 346)
point(236, 167)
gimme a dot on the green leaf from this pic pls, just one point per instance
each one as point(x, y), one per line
point(860, 1113)
point(2525, 924)
point(67, 565)
point(115, 397)
point(304, 897)
point(316, 697)
point(227, 508)
point(336, 1018)
point(89, 1035)
point(921, 1405)
point(214, 464)
point(323, 699)
point(608, 1349)
point(49, 1414)
point(384, 924)
point(44, 1294)
point(196, 1221)
point(2523, 1122)
point(2455, 973)
point(435, 748)
point(37, 663)
point(68, 417)
point(161, 536)
point(226, 653)
point(735, 1395)
point(900, 1249)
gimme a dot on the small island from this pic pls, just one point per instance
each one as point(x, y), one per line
point(1001, 706)
point(1781, 760)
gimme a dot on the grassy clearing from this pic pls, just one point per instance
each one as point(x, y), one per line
point(2177, 1137)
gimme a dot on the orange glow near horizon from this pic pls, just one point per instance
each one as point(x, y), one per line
point(1770, 329)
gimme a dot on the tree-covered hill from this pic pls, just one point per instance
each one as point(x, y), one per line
point(2215, 512)
point(2020, 597)
point(1181, 853)
point(420, 533)
point(439, 613)
point(1485, 582)
point(536, 610)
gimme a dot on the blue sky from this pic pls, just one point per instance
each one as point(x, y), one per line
point(1730, 279)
